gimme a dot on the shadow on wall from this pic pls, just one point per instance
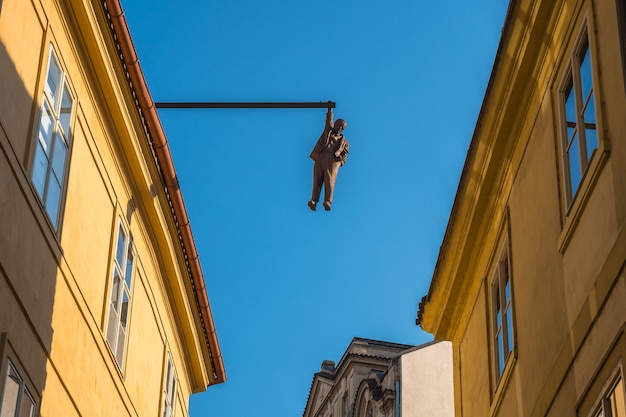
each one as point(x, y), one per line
point(29, 254)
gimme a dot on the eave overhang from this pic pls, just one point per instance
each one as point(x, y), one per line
point(163, 159)
point(519, 58)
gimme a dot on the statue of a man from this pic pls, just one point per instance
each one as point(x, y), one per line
point(330, 152)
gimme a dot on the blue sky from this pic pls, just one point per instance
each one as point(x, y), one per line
point(290, 287)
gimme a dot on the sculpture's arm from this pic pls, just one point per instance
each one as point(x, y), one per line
point(329, 118)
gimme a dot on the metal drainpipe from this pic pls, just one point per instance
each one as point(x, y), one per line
point(164, 159)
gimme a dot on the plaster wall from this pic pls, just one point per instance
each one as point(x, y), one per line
point(566, 261)
point(426, 381)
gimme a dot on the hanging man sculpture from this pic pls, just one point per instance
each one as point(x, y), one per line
point(330, 152)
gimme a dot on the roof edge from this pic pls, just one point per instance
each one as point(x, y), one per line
point(432, 327)
point(164, 160)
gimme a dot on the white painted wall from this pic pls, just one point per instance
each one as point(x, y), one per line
point(427, 387)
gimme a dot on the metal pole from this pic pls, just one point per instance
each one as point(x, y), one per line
point(247, 105)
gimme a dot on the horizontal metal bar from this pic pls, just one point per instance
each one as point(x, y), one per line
point(247, 105)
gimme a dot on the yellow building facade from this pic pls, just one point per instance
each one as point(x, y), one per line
point(103, 305)
point(530, 284)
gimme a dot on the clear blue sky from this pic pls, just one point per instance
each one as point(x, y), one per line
point(290, 287)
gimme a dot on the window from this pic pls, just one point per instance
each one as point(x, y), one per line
point(578, 109)
point(15, 399)
point(117, 325)
point(501, 314)
point(169, 390)
point(612, 404)
point(584, 149)
point(53, 139)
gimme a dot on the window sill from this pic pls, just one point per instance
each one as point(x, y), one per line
point(581, 198)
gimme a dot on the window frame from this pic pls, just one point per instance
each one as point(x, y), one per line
point(170, 385)
point(571, 82)
point(572, 203)
point(22, 388)
point(8, 360)
point(501, 318)
point(124, 288)
point(44, 149)
point(602, 406)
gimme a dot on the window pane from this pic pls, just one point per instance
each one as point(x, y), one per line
point(618, 405)
point(58, 157)
point(46, 125)
point(172, 391)
point(40, 168)
point(591, 135)
point(507, 287)
point(119, 351)
point(116, 289)
point(570, 104)
point(168, 378)
point(54, 78)
point(571, 132)
point(585, 72)
point(500, 354)
point(114, 308)
point(574, 165)
point(169, 393)
point(124, 312)
point(11, 392)
point(509, 324)
point(112, 326)
point(128, 274)
point(65, 113)
point(592, 142)
point(27, 408)
point(590, 112)
point(53, 199)
point(496, 296)
point(121, 244)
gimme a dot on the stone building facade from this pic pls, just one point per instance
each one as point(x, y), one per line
point(383, 379)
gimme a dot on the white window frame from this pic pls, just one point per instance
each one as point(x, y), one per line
point(591, 160)
point(20, 392)
point(169, 388)
point(585, 145)
point(120, 294)
point(501, 307)
point(51, 154)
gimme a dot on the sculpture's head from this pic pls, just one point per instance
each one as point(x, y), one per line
point(339, 125)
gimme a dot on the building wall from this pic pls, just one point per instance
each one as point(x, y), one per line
point(381, 379)
point(427, 387)
point(567, 281)
point(54, 287)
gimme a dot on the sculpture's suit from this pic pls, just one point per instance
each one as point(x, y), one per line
point(329, 153)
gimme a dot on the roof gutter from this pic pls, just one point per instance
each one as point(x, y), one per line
point(173, 192)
